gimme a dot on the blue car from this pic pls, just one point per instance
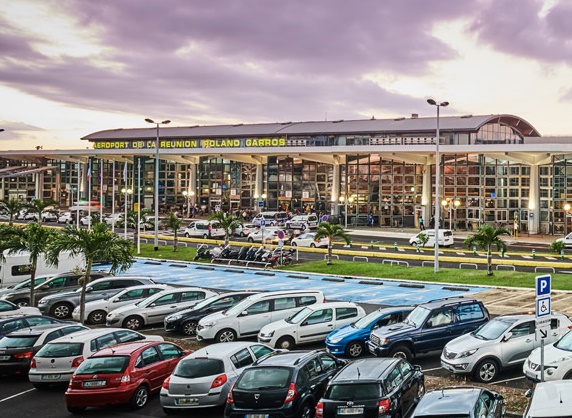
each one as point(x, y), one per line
point(350, 340)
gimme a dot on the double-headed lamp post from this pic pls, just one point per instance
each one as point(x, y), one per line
point(165, 122)
point(126, 192)
point(437, 175)
point(452, 204)
point(189, 195)
point(345, 201)
point(262, 198)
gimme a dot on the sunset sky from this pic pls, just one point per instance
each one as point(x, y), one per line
point(70, 68)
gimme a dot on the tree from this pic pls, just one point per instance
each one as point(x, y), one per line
point(39, 206)
point(331, 231)
point(34, 239)
point(227, 222)
point(132, 222)
point(173, 222)
point(97, 243)
point(485, 238)
point(12, 208)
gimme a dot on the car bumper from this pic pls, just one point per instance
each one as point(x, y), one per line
point(100, 397)
point(44, 309)
point(206, 334)
point(233, 412)
point(336, 349)
point(535, 375)
point(376, 350)
point(457, 367)
point(112, 322)
point(172, 326)
point(47, 378)
point(182, 402)
point(14, 367)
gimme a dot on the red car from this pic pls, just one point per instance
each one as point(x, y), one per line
point(122, 374)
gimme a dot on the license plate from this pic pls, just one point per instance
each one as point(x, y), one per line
point(344, 410)
point(256, 416)
point(94, 383)
point(4, 358)
point(447, 367)
point(188, 401)
point(51, 376)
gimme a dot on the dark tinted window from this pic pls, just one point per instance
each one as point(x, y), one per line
point(10, 326)
point(60, 350)
point(39, 321)
point(472, 311)
point(104, 285)
point(169, 351)
point(260, 350)
point(241, 358)
point(353, 392)
point(5, 306)
point(103, 341)
point(133, 294)
point(102, 365)
point(328, 363)
point(259, 307)
point(125, 336)
point(192, 296)
point(52, 336)
point(306, 300)
point(18, 341)
point(343, 313)
point(264, 378)
point(199, 367)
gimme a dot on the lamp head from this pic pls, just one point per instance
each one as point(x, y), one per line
point(567, 207)
point(444, 202)
point(149, 120)
point(165, 122)
point(342, 199)
point(430, 101)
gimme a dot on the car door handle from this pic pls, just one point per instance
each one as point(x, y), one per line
point(330, 325)
point(528, 340)
point(172, 307)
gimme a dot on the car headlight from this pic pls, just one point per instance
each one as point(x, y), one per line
point(550, 370)
point(383, 341)
point(267, 334)
point(4, 297)
point(42, 302)
point(333, 340)
point(467, 353)
point(76, 310)
point(173, 318)
point(115, 314)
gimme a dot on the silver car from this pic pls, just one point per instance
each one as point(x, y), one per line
point(504, 341)
point(203, 378)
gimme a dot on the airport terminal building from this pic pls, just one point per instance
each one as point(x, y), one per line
point(494, 169)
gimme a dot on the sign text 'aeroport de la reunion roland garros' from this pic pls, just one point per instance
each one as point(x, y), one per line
point(193, 143)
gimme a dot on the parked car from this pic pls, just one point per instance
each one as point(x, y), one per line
point(271, 218)
point(567, 240)
point(25, 284)
point(66, 218)
point(350, 340)
point(156, 307)
point(287, 384)
point(11, 309)
point(269, 235)
point(62, 304)
point(18, 347)
point(204, 229)
point(48, 216)
point(56, 361)
point(445, 238)
point(310, 324)
point(243, 230)
point(246, 318)
point(504, 341)
point(101, 379)
point(461, 401)
point(428, 327)
point(27, 215)
point(557, 361)
point(550, 399)
point(303, 222)
point(309, 240)
point(373, 387)
point(8, 325)
point(186, 321)
point(55, 284)
point(97, 310)
point(203, 378)
point(113, 218)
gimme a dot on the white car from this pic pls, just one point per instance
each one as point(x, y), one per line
point(557, 361)
point(26, 215)
point(114, 218)
point(310, 324)
point(157, 307)
point(49, 217)
point(8, 309)
point(445, 238)
point(303, 222)
point(550, 399)
point(57, 360)
point(244, 230)
point(567, 240)
point(65, 218)
point(309, 240)
point(270, 235)
point(204, 229)
point(97, 310)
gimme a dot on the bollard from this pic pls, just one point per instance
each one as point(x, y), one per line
point(562, 254)
point(502, 253)
point(474, 250)
point(371, 245)
point(417, 249)
point(351, 244)
point(533, 253)
point(395, 246)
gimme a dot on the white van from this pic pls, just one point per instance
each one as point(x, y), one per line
point(246, 318)
point(445, 238)
point(550, 399)
point(16, 267)
point(272, 218)
point(204, 229)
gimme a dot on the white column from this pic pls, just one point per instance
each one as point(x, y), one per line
point(335, 189)
point(426, 195)
point(533, 201)
point(258, 181)
point(193, 182)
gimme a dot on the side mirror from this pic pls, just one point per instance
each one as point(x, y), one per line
point(244, 313)
point(44, 287)
point(152, 305)
point(528, 393)
point(506, 337)
point(89, 289)
point(417, 367)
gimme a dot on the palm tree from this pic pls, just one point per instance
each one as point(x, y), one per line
point(173, 222)
point(132, 222)
point(97, 243)
point(227, 222)
point(12, 207)
point(39, 206)
point(485, 238)
point(331, 231)
point(34, 239)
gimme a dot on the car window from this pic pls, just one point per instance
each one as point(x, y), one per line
point(259, 307)
point(328, 363)
point(166, 299)
point(5, 306)
point(302, 377)
point(125, 336)
point(306, 300)
point(440, 318)
point(394, 379)
point(38, 321)
point(261, 377)
point(554, 323)
point(471, 311)
point(284, 303)
point(405, 369)
point(59, 282)
point(186, 296)
point(241, 358)
point(60, 350)
point(343, 313)
point(353, 392)
point(71, 330)
point(52, 336)
point(483, 405)
point(199, 367)
point(169, 351)
point(132, 294)
point(260, 350)
point(12, 326)
point(524, 329)
point(102, 342)
point(313, 368)
point(319, 316)
point(104, 285)
point(147, 357)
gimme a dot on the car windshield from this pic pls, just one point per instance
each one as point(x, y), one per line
point(60, 350)
point(565, 343)
point(261, 378)
point(417, 316)
point(353, 392)
point(27, 283)
point(18, 342)
point(366, 320)
point(102, 365)
point(299, 316)
point(239, 307)
point(206, 302)
point(492, 329)
point(199, 367)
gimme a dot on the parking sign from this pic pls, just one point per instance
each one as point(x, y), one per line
point(543, 284)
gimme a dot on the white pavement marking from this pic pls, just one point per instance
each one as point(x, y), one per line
point(460, 253)
point(509, 380)
point(432, 370)
point(18, 394)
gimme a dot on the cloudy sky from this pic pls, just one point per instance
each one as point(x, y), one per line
point(72, 67)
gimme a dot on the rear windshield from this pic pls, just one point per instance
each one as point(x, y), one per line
point(353, 392)
point(18, 342)
point(199, 367)
point(261, 378)
point(102, 365)
point(448, 233)
point(61, 350)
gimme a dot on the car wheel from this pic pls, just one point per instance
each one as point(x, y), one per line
point(187, 235)
point(226, 335)
point(312, 245)
point(401, 351)
point(486, 371)
point(306, 411)
point(285, 343)
point(303, 228)
point(140, 397)
point(242, 234)
point(76, 409)
point(133, 322)
point(61, 310)
point(205, 236)
point(568, 375)
point(251, 240)
point(354, 349)
point(97, 317)
point(189, 328)
point(294, 244)
point(22, 302)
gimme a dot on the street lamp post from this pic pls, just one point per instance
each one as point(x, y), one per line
point(456, 205)
point(165, 122)
point(566, 210)
point(437, 174)
point(445, 203)
point(189, 195)
point(126, 193)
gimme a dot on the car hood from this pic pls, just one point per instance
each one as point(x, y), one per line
point(394, 330)
point(468, 342)
point(346, 331)
point(214, 317)
point(552, 355)
point(277, 325)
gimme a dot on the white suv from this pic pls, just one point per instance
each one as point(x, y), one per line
point(204, 229)
point(310, 324)
point(550, 399)
point(302, 222)
point(557, 361)
point(445, 238)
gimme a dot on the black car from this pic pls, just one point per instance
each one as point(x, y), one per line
point(186, 321)
point(459, 402)
point(282, 385)
point(18, 347)
point(373, 387)
point(8, 325)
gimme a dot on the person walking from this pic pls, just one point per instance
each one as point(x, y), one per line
point(432, 222)
point(421, 224)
